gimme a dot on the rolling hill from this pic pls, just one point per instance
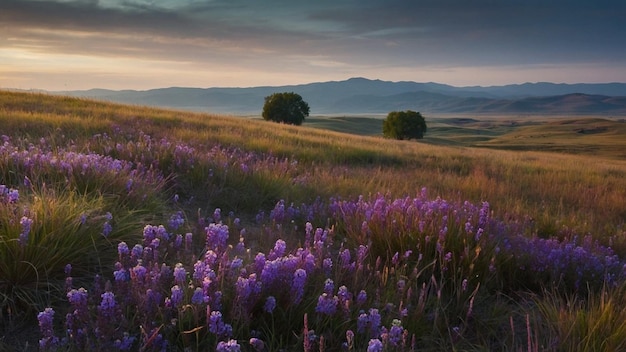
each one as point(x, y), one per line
point(360, 95)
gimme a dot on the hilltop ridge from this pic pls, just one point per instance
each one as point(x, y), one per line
point(362, 95)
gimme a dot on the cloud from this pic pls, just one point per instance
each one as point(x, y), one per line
point(326, 37)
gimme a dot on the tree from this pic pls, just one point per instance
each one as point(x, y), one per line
point(286, 108)
point(404, 125)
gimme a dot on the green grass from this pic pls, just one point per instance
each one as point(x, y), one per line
point(563, 176)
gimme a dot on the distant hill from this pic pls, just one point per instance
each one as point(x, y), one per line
point(360, 95)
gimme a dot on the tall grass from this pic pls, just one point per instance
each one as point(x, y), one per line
point(442, 270)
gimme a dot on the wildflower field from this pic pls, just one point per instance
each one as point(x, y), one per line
point(136, 229)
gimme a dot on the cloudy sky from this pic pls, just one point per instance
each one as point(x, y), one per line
point(143, 44)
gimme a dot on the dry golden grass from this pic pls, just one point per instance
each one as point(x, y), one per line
point(586, 193)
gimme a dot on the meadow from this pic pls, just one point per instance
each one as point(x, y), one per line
point(133, 228)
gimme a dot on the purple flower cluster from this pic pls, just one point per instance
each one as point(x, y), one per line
point(9, 195)
point(26, 224)
point(372, 296)
point(48, 340)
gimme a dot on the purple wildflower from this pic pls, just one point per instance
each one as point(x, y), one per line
point(327, 265)
point(122, 249)
point(270, 304)
point(257, 344)
point(138, 272)
point(229, 346)
point(297, 286)
point(26, 225)
point(48, 340)
point(374, 321)
point(177, 296)
point(137, 251)
point(327, 304)
point(349, 339)
point(106, 229)
point(361, 297)
point(176, 220)
point(107, 305)
point(120, 275)
point(178, 241)
point(199, 297)
point(259, 262)
point(361, 323)
point(13, 195)
point(199, 270)
point(180, 274)
point(343, 294)
point(217, 215)
point(126, 343)
point(216, 236)
point(279, 249)
point(375, 345)
point(216, 324)
point(329, 286)
point(396, 333)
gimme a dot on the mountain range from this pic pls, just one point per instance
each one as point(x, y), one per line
point(363, 96)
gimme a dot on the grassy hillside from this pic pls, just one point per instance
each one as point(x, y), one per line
point(480, 228)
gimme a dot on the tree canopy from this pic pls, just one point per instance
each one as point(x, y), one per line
point(404, 125)
point(286, 108)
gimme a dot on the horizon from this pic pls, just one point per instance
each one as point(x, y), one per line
point(308, 83)
point(66, 45)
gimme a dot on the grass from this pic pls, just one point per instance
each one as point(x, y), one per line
point(554, 186)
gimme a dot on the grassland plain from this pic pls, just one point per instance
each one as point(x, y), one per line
point(177, 168)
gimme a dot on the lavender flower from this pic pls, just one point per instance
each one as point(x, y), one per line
point(106, 229)
point(396, 333)
point(229, 346)
point(176, 220)
point(297, 286)
point(13, 195)
point(327, 266)
point(125, 344)
point(257, 344)
point(217, 215)
point(279, 249)
point(327, 304)
point(68, 269)
point(78, 298)
point(180, 274)
point(374, 345)
point(107, 305)
point(48, 340)
point(138, 272)
point(26, 225)
point(361, 297)
point(329, 286)
point(361, 323)
point(216, 324)
point(216, 237)
point(199, 297)
point(374, 321)
point(270, 304)
point(137, 251)
point(177, 296)
point(122, 249)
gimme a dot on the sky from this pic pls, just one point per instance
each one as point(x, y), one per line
point(144, 44)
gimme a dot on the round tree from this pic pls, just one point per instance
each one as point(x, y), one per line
point(404, 125)
point(286, 108)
